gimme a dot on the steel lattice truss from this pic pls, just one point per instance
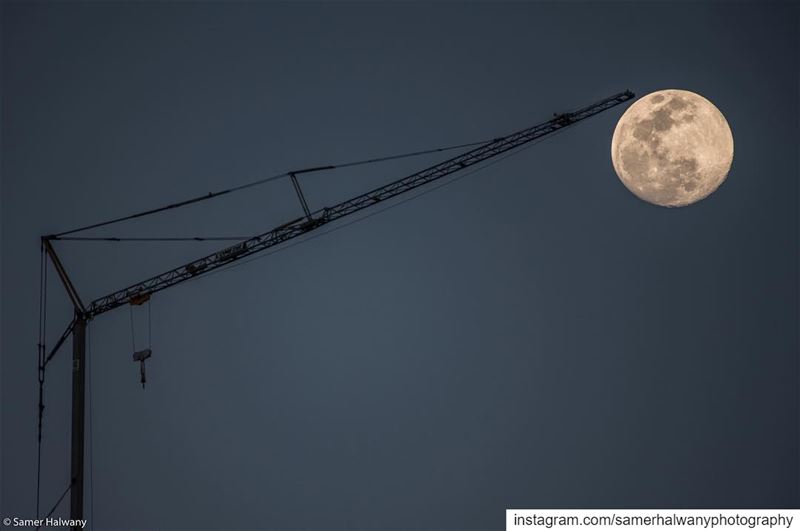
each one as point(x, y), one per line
point(313, 220)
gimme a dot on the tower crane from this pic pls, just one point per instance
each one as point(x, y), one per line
point(311, 220)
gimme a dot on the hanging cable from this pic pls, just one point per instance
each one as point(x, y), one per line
point(212, 195)
point(60, 499)
point(133, 335)
point(395, 157)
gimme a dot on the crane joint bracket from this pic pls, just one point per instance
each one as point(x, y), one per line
point(139, 299)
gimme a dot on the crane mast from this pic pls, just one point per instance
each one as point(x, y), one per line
point(316, 219)
point(311, 220)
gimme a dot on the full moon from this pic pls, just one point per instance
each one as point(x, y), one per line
point(672, 148)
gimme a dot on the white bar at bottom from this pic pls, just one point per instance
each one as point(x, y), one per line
point(651, 519)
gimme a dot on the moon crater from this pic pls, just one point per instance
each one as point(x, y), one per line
point(672, 148)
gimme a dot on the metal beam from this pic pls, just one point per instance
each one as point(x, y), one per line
point(78, 410)
point(62, 274)
point(326, 215)
point(60, 342)
point(300, 195)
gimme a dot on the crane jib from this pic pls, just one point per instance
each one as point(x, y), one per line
point(323, 216)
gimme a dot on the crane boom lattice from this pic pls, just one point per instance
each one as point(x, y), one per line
point(318, 218)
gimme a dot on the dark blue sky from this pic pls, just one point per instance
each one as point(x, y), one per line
point(530, 336)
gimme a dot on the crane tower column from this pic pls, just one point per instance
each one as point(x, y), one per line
point(78, 410)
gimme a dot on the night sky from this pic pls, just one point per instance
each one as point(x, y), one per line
point(532, 335)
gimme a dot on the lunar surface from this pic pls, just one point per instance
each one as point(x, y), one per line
point(672, 148)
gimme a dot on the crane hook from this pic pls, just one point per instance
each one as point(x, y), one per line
point(141, 356)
